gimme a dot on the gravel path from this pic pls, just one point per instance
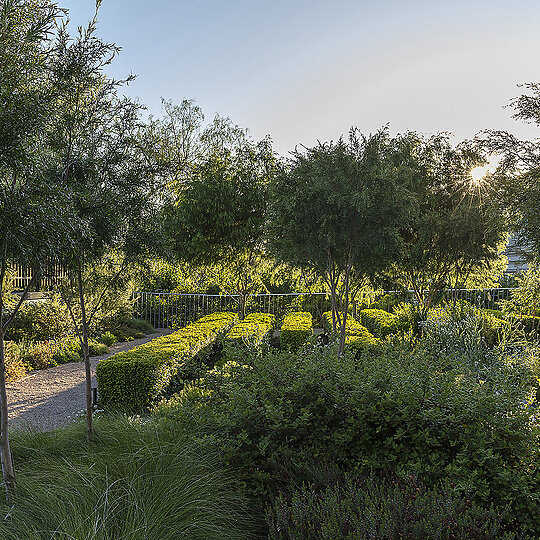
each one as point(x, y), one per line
point(51, 398)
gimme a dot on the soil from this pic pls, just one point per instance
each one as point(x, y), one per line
point(51, 398)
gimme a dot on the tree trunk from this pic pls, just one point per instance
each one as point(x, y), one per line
point(345, 311)
point(8, 471)
point(86, 356)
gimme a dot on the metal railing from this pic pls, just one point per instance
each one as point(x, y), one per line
point(175, 310)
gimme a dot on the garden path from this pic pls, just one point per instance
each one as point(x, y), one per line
point(50, 398)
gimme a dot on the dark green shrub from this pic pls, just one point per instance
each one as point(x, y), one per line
point(132, 380)
point(363, 508)
point(381, 323)
point(70, 350)
point(493, 329)
point(296, 329)
point(434, 417)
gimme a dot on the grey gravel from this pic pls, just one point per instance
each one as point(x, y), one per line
point(51, 398)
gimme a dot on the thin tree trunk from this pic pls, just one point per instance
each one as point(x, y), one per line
point(8, 471)
point(86, 356)
point(345, 308)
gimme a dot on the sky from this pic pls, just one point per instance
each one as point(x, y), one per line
point(308, 70)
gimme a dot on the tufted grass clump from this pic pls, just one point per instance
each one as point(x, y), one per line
point(137, 480)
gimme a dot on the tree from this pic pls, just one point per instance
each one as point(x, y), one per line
point(96, 142)
point(519, 172)
point(180, 140)
point(456, 228)
point(219, 214)
point(33, 214)
point(336, 209)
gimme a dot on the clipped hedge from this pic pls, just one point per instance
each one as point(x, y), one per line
point(253, 330)
point(356, 335)
point(297, 327)
point(130, 381)
point(381, 323)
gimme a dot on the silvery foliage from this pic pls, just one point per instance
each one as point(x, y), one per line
point(447, 334)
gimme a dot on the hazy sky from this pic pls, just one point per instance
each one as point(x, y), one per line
point(302, 70)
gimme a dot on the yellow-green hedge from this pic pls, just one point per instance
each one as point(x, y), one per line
point(252, 331)
point(356, 335)
point(130, 381)
point(297, 327)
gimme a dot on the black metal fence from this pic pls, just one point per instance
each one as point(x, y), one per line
point(174, 310)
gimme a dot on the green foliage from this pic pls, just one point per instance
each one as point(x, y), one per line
point(433, 416)
point(41, 321)
point(357, 336)
point(139, 480)
point(296, 329)
point(132, 380)
point(381, 323)
point(108, 339)
point(456, 227)
point(336, 210)
point(254, 331)
point(361, 508)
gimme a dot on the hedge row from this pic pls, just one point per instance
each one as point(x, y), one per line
point(253, 330)
point(130, 381)
point(356, 335)
point(381, 323)
point(297, 327)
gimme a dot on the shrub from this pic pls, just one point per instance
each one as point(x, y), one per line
point(381, 508)
point(131, 381)
point(40, 321)
point(108, 339)
point(357, 336)
point(37, 354)
point(15, 368)
point(254, 331)
point(433, 417)
point(381, 323)
point(297, 327)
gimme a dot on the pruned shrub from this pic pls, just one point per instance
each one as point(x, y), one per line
point(357, 336)
point(381, 323)
point(130, 381)
point(253, 331)
point(296, 329)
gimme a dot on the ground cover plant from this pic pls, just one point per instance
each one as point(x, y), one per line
point(137, 480)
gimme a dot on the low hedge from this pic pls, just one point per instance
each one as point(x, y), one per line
point(356, 335)
point(381, 323)
point(253, 330)
point(297, 327)
point(130, 381)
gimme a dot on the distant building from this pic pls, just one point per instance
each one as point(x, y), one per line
point(517, 257)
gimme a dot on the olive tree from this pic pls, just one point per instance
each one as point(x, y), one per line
point(336, 209)
point(219, 215)
point(34, 214)
point(109, 181)
point(455, 227)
